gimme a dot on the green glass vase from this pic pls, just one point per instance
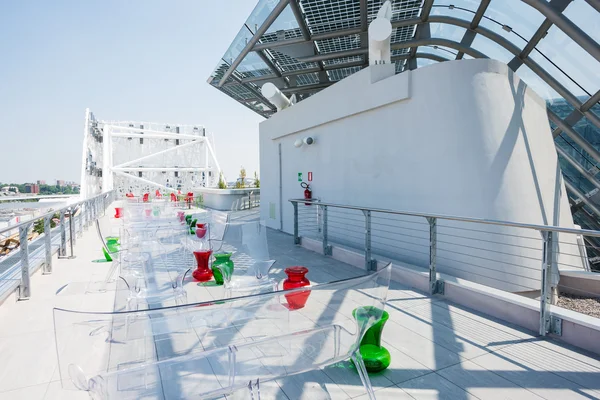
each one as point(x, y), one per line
point(222, 267)
point(112, 243)
point(193, 226)
point(376, 357)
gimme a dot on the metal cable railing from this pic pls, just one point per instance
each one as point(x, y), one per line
point(31, 255)
point(514, 257)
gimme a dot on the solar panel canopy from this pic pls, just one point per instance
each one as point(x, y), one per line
point(304, 46)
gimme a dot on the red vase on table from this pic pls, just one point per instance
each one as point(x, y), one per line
point(296, 279)
point(118, 212)
point(201, 230)
point(202, 273)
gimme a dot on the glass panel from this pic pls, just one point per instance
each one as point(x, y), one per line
point(338, 44)
point(491, 49)
point(328, 16)
point(401, 9)
point(538, 85)
point(439, 51)
point(237, 45)
point(585, 17)
point(284, 22)
point(341, 73)
point(463, 9)
point(572, 59)
point(307, 79)
point(522, 18)
point(445, 31)
point(596, 109)
point(260, 13)
point(590, 133)
point(252, 65)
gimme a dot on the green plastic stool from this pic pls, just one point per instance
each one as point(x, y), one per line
point(376, 357)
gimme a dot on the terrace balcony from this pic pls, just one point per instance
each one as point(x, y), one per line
point(440, 345)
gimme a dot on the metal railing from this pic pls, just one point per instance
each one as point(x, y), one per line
point(246, 203)
point(21, 262)
point(511, 256)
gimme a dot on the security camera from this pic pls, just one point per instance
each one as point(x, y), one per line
point(309, 140)
point(298, 143)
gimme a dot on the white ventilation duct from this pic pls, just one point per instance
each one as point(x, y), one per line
point(380, 32)
point(274, 95)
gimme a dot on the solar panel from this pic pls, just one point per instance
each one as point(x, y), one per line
point(283, 46)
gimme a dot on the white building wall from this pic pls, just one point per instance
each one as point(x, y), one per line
point(464, 138)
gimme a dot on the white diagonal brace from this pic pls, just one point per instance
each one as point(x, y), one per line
point(137, 160)
point(151, 183)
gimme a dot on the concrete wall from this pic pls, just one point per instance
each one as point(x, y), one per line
point(224, 199)
point(465, 138)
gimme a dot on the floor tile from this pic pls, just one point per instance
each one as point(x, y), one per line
point(434, 387)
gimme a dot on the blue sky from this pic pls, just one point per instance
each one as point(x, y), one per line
point(149, 61)
point(126, 60)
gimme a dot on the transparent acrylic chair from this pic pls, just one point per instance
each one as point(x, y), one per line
point(247, 244)
point(211, 349)
point(107, 229)
point(217, 226)
point(154, 268)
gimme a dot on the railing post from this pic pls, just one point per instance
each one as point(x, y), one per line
point(71, 231)
point(296, 237)
point(548, 323)
point(85, 214)
point(73, 228)
point(326, 247)
point(62, 250)
point(48, 245)
point(435, 286)
point(24, 286)
point(370, 264)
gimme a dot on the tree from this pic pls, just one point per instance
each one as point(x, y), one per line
point(222, 184)
point(242, 177)
point(38, 226)
point(256, 180)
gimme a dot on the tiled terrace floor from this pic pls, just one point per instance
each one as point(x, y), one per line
point(439, 350)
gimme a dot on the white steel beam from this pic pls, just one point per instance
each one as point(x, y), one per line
point(161, 135)
point(137, 160)
point(160, 169)
point(146, 181)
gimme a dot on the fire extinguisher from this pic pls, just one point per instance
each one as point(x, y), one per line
point(307, 192)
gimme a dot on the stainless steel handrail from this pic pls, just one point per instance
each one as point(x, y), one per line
point(91, 209)
point(542, 228)
point(51, 213)
point(549, 260)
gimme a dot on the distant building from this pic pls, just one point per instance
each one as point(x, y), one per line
point(41, 182)
point(32, 188)
point(60, 183)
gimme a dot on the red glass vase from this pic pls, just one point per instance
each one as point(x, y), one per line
point(296, 279)
point(202, 273)
point(118, 212)
point(201, 230)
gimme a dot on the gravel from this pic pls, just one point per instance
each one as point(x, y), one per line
point(584, 305)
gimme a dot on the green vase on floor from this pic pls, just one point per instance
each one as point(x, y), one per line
point(376, 357)
point(222, 266)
